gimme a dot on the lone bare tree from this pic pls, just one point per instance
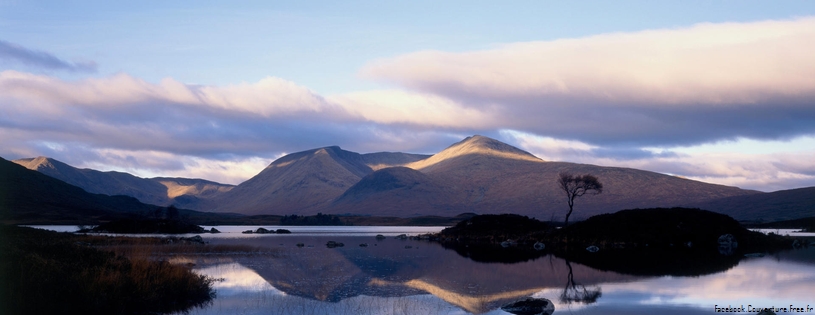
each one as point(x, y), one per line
point(576, 186)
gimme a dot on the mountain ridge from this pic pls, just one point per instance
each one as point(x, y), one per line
point(162, 191)
point(28, 196)
point(477, 174)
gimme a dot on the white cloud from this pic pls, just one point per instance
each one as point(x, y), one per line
point(149, 164)
point(691, 85)
point(740, 165)
point(401, 107)
point(707, 63)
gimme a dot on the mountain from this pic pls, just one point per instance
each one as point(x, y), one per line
point(477, 174)
point(30, 197)
point(396, 191)
point(483, 175)
point(767, 207)
point(301, 182)
point(181, 192)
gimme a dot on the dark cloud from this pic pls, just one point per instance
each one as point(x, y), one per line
point(41, 59)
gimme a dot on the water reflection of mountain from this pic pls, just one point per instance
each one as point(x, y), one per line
point(679, 262)
point(389, 269)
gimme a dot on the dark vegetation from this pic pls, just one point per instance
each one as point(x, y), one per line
point(44, 272)
point(805, 224)
point(479, 237)
point(675, 241)
point(147, 226)
point(495, 228)
point(663, 229)
point(160, 221)
point(353, 220)
point(319, 219)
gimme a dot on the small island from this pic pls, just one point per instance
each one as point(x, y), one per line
point(659, 241)
point(148, 226)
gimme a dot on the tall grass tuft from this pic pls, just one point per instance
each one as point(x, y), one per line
point(44, 272)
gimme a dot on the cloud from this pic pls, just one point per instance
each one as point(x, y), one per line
point(415, 109)
point(622, 99)
point(760, 171)
point(678, 86)
point(41, 59)
point(177, 127)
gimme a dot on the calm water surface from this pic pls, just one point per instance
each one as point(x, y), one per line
point(393, 276)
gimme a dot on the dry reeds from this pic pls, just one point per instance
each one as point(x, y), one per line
point(43, 272)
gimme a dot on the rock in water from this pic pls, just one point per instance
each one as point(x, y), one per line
point(727, 244)
point(530, 306)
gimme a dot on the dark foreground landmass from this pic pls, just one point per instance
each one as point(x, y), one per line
point(675, 241)
point(45, 272)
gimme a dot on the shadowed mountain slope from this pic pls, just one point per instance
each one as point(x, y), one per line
point(181, 192)
point(30, 197)
point(296, 183)
point(767, 207)
point(305, 182)
point(397, 191)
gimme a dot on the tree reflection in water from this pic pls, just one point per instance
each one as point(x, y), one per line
point(577, 293)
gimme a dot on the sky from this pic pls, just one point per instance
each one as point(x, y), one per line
point(717, 91)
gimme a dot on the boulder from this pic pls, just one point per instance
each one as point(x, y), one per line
point(214, 231)
point(380, 237)
point(333, 244)
point(530, 306)
point(508, 243)
point(195, 239)
point(282, 231)
point(727, 244)
point(263, 231)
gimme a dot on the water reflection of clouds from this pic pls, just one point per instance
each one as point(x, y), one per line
point(763, 282)
point(236, 279)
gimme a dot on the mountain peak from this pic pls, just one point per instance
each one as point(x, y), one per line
point(37, 163)
point(476, 145)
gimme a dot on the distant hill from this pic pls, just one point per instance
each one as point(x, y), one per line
point(181, 192)
point(30, 197)
point(767, 207)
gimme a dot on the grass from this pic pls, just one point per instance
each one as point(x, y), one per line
point(159, 247)
point(44, 272)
